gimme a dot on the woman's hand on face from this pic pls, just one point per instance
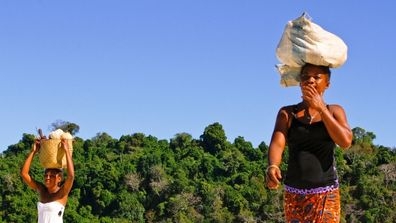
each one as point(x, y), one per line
point(312, 96)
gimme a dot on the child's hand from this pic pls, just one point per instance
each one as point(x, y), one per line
point(36, 146)
point(65, 145)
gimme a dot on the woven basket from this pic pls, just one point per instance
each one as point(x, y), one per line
point(51, 154)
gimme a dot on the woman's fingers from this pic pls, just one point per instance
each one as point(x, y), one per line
point(272, 178)
point(64, 144)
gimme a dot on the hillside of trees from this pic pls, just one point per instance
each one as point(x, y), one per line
point(139, 178)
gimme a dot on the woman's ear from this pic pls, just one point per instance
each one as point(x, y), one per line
point(59, 180)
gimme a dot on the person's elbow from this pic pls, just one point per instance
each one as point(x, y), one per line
point(346, 142)
point(344, 146)
point(24, 174)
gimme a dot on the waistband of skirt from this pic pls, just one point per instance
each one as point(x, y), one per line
point(317, 190)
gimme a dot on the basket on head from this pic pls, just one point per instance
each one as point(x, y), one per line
point(51, 154)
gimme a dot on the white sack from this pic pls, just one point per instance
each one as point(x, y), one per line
point(306, 42)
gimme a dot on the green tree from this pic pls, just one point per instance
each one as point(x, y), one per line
point(214, 138)
point(66, 126)
point(139, 178)
point(361, 136)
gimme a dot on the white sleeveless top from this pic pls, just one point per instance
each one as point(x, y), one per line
point(51, 212)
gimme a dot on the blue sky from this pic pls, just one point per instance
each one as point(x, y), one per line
point(165, 67)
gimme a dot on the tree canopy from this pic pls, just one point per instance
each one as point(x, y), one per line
point(140, 178)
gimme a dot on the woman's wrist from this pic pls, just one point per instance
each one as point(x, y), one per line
point(272, 166)
point(34, 149)
point(323, 111)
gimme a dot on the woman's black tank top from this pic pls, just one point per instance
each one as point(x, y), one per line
point(311, 161)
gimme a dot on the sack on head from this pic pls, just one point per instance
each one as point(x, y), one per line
point(306, 42)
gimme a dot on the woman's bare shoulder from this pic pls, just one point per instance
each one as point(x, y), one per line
point(335, 107)
point(287, 108)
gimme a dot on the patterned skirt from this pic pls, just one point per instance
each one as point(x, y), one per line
point(322, 207)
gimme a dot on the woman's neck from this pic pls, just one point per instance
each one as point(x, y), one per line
point(309, 115)
point(53, 190)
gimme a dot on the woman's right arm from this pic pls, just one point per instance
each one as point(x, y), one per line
point(276, 148)
point(26, 167)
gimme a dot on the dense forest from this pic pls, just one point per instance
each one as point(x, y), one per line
point(139, 178)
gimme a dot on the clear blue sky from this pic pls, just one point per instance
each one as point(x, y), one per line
point(165, 67)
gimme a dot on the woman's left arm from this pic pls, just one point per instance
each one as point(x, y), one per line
point(337, 125)
point(67, 186)
point(333, 116)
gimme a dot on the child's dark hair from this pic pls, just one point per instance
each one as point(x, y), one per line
point(55, 170)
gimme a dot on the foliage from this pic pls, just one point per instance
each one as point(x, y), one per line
point(70, 127)
point(139, 178)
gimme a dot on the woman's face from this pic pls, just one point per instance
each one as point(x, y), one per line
point(52, 178)
point(314, 76)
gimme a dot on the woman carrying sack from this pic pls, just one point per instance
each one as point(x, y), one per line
point(311, 129)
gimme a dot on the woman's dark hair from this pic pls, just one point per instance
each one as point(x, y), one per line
point(326, 69)
point(56, 170)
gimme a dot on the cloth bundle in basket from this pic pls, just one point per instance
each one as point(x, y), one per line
point(51, 154)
